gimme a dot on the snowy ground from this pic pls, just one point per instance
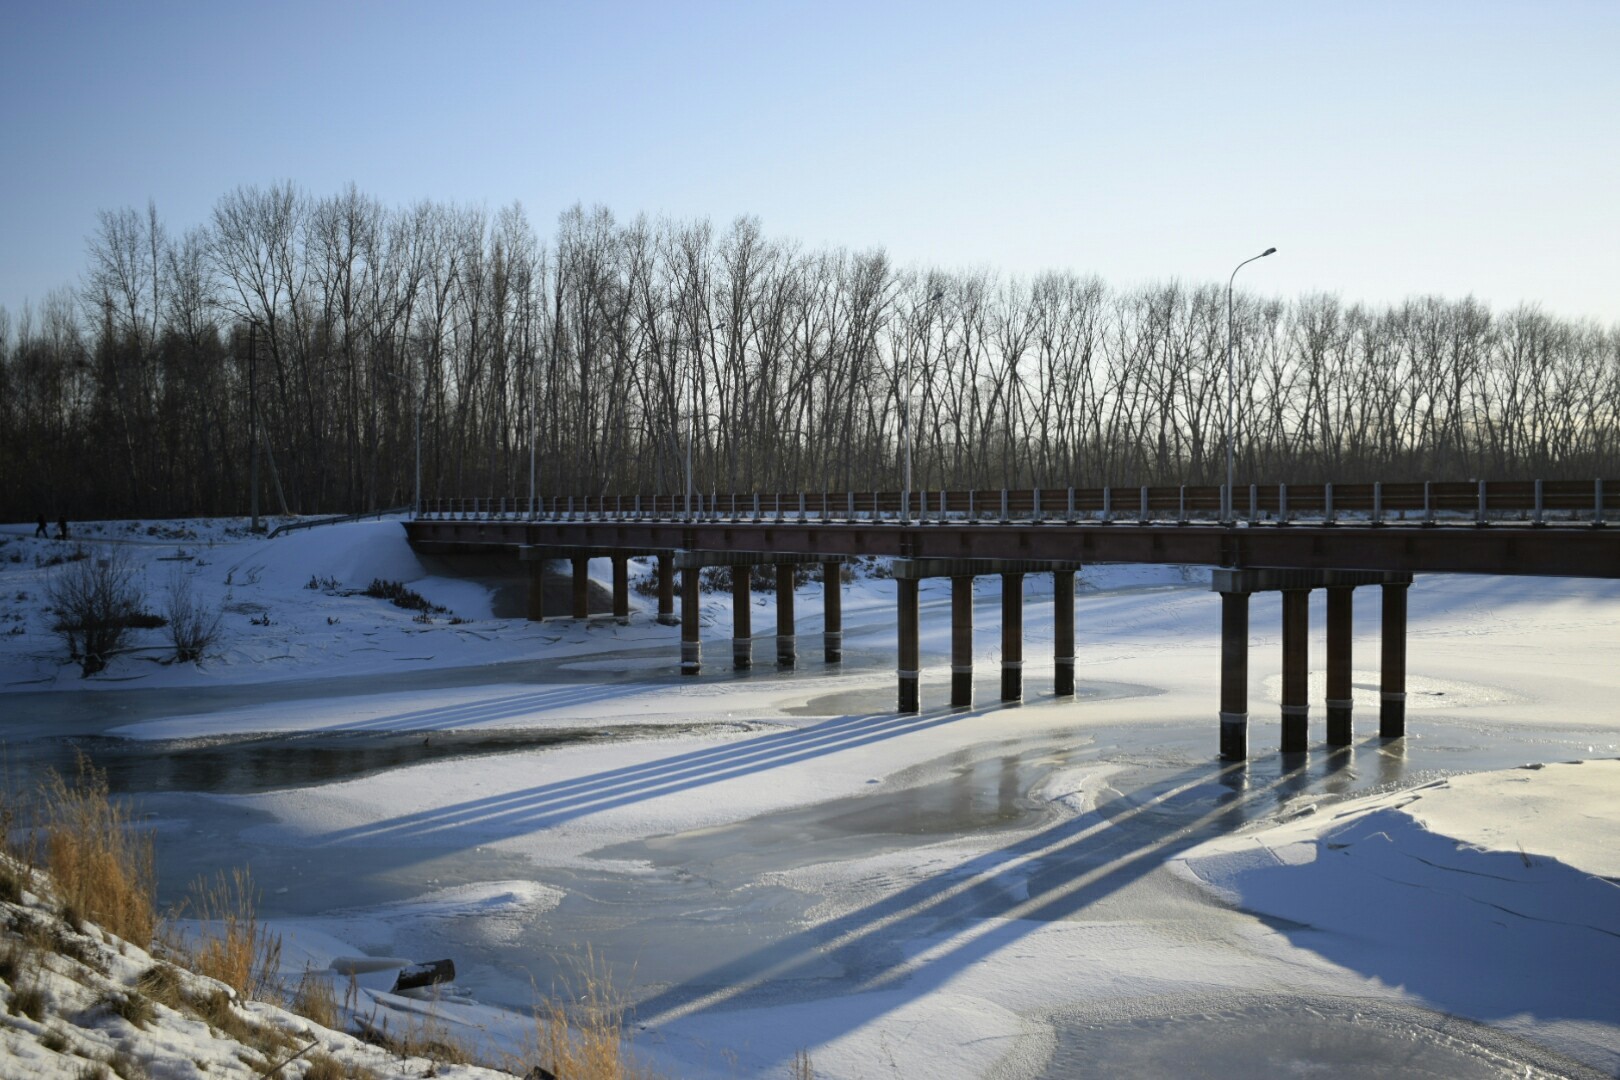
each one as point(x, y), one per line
point(1128, 870)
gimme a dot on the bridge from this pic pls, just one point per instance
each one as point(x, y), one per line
point(1290, 539)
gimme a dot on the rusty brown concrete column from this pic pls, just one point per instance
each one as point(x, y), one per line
point(1012, 637)
point(787, 655)
point(832, 598)
point(621, 589)
point(1063, 633)
point(691, 644)
point(537, 591)
point(582, 588)
point(666, 590)
point(742, 618)
point(1340, 630)
point(1234, 676)
point(962, 641)
point(906, 592)
point(1392, 682)
point(1296, 660)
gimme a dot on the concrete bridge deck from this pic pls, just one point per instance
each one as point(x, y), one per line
point(1291, 540)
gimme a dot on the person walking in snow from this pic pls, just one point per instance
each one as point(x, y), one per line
point(39, 530)
point(61, 527)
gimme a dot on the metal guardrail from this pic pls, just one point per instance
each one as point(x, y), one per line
point(1476, 502)
point(310, 523)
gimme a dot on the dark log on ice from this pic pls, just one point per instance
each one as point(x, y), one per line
point(426, 974)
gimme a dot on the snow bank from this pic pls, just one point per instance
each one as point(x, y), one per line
point(1491, 896)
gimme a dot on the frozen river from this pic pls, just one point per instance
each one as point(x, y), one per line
point(805, 905)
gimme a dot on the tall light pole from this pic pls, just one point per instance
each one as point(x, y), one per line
point(905, 490)
point(253, 424)
point(1231, 387)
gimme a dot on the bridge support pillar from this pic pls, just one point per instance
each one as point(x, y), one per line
point(787, 654)
point(742, 610)
point(1340, 629)
point(1012, 637)
point(1296, 709)
point(537, 591)
point(832, 598)
point(691, 643)
point(621, 589)
point(666, 590)
point(1234, 676)
point(1063, 633)
point(906, 591)
point(961, 641)
point(1392, 682)
point(582, 587)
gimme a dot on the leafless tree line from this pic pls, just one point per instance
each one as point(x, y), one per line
point(608, 352)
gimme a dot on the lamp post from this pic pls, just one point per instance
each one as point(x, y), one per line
point(253, 424)
point(1231, 387)
point(905, 489)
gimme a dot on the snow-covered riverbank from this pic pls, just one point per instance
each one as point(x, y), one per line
point(925, 895)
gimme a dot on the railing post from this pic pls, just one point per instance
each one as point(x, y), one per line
point(1378, 502)
point(1282, 504)
point(1035, 513)
point(801, 506)
point(1327, 504)
point(1181, 504)
point(1537, 520)
point(1428, 502)
point(1004, 518)
point(1597, 503)
point(1145, 518)
point(1254, 503)
point(1479, 516)
point(851, 516)
point(972, 515)
point(1069, 516)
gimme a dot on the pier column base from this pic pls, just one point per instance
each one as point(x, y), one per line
point(1234, 676)
point(666, 590)
point(621, 589)
point(1392, 681)
point(961, 642)
point(787, 654)
point(742, 607)
point(906, 592)
point(691, 644)
point(1063, 633)
point(832, 597)
point(1296, 709)
point(1340, 629)
point(582, 587)
point(537, 591)
point(1012, 637)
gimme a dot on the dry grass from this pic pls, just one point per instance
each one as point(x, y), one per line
point(231, 946)
point(314, 1000)
point(325, 1067)
point(101, 865)
point(580, 1034)
point(802, 1068)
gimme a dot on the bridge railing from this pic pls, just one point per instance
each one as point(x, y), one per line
point(1429, 502)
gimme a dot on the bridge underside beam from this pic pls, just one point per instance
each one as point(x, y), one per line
point(1497, 549)
point(1273, 579)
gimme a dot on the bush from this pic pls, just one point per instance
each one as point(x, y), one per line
point(96, 601)
point(402, 597)
point(192, 627)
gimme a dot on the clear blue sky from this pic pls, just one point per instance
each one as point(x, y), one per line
point(1387, 149)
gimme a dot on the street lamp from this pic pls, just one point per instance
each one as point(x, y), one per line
point(1231, 386)
point(905, 491)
